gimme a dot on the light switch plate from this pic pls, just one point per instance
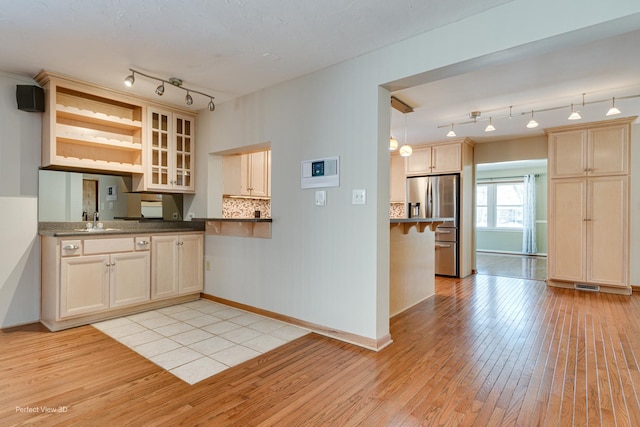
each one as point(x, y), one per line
point(359, 197)
point(321, 198)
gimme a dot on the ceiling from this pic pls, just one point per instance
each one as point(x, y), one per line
point(601, 70)
point(225, 48)
point(229, 48)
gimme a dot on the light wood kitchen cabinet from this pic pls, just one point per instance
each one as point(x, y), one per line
point(588, 241)
point(254, 180)
point(589, 151)
point(129, 279)
point(435, 159)
point(90, 278)
point(247, 174)
point(89, 127)
point(177, 265)
point(84, 285)
point(397, 185)
point(588, 230)
point(170, 152)
point(101, 273)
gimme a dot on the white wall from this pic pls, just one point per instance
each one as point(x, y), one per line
point(330, 265)
point(20, 252)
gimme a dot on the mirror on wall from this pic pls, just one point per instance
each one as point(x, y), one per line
point(75, 196)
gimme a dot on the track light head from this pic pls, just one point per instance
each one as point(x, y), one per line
point(212, 106)
point(130, 79)
point(575, 115)
point(613, 110)
point(188, 99)
point(532, 123)
point(160, 90)
point(451, 133)
point(490, 127)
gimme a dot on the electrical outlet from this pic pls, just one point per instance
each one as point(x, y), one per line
point(359, 197)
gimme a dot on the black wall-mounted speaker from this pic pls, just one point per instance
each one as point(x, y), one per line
point(30, 98)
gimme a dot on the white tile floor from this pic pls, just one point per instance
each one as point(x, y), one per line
point(201, 338)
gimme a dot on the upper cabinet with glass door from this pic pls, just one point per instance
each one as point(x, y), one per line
point(170, 152)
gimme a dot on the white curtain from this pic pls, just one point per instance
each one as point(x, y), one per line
point(529, 245)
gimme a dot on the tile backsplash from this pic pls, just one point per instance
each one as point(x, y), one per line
point(245, 207)
point(397, 210)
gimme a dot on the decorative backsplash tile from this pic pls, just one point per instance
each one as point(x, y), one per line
point(397, 210)
point(245, 208)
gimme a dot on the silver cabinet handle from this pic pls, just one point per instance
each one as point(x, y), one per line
point(143, 242)
point(70, 247)
point(443, 231)
point(440, 245)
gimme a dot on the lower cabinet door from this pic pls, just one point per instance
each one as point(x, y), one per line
point(164, 265)
point(191, 277)
point(84, 285)
point(129, 281)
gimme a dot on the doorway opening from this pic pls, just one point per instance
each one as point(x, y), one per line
point(511, 219)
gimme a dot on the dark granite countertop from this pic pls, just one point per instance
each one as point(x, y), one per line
point(64, 229)
point(412, 220)
point(234, 219)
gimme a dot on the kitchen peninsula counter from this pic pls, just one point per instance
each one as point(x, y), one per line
point(412, 261)
point(238, 227)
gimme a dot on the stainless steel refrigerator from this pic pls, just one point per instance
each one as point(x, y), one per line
point(437, 196)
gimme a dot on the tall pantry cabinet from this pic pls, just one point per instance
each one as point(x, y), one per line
point(588, 243)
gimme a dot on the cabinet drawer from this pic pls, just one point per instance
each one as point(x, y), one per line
point(143, 243)
point(101, 246)
point(70, 248)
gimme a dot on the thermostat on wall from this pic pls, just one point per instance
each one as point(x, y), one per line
point(320, 173)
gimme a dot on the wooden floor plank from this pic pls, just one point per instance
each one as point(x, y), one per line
point(483, 351)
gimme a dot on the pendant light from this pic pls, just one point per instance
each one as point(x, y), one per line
point(405, 150)
point(451, 132)
point(575, 115)
point(490, 127)
point(393, 144)
point(613, 110)
point(532, 123)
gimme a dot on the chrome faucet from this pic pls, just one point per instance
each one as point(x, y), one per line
point(95, 219)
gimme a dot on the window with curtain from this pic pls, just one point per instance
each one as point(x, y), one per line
point(500, 205)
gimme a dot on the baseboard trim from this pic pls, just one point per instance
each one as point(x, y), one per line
point(368, 343)
point(603, 288)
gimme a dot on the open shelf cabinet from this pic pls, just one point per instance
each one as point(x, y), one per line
point(89, 127)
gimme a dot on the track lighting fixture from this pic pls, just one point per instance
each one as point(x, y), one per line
point(129, 80)
point(173, 81)
point(393, 144)
point(613, 110)
point(451, 132)
point(490, 127)
point(474, 116)
point(532, 123)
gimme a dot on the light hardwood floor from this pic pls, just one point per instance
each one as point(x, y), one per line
point(483, 351)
